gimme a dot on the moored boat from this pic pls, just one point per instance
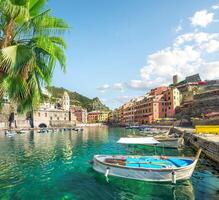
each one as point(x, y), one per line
point(146, 168)
point(10, 133)
point(164, 142)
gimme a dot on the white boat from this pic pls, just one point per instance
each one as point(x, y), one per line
point(164, 142)
point(146, 168)
point(10, 133)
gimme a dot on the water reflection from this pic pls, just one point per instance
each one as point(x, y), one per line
point(55, 166)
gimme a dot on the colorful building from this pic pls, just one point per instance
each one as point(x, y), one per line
point(103, 117)
point(93, 117)
point(160, 102)
point(97, 117)
point(128, 112)
point(80, 113)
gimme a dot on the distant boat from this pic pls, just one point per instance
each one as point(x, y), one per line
point(132, 127)
point(10, 133)
point(22, 131)
point(43, 130)
point(163, 141)
point(146, 168)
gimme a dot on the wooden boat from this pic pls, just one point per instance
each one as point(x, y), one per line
point(146, 168)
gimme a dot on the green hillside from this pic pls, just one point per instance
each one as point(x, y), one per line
point(77, 99)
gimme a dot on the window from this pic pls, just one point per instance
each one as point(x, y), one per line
point(50, 118)
point(45, 114)
point(38, 114)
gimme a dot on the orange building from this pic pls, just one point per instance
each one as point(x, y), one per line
point(128, 112)
point(93, 117)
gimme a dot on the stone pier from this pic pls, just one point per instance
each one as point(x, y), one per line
point(208, 142)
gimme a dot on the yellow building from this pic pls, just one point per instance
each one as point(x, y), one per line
point(103, 116)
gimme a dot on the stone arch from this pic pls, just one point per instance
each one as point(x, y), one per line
point(42, 125)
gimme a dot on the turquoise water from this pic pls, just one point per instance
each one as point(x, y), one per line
point(55, 166)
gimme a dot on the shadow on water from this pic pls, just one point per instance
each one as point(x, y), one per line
point(94, 186)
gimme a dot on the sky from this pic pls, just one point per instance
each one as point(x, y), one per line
point(120, 49)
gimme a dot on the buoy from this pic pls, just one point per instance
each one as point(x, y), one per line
point(173, 177)
point(106, 174)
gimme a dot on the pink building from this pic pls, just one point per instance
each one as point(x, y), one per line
point(80, 113)
point(159, 103)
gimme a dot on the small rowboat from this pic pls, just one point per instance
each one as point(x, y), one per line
point(146, 168)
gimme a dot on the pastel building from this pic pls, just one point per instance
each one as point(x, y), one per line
point(80, 113)
point(128, 112)
point(93, 117)
point(160, 102)
point(103, 117)
point(171, 98)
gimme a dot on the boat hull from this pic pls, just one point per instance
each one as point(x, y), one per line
point(149, 175)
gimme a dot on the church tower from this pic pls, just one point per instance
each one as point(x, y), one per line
point(66, 101)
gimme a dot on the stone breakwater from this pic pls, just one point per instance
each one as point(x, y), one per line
point(208, 142)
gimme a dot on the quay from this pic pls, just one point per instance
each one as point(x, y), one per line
point(208, 142)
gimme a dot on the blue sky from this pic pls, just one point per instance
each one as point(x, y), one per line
point(119, 49)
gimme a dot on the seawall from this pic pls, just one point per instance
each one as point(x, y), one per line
point(208, 142)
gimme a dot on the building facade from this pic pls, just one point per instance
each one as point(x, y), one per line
point(80, 113)
point(159, 103)
point(47, 115)
point(97, 117)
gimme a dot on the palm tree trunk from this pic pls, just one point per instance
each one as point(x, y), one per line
point(8, 31)
point(6, 41)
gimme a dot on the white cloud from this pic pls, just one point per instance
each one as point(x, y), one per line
point(215, 7)
point(202, 18)
point(211, 46)
point(178, 28)
point(162, 65)
point(103, 88)
point(118, 86)
point(208, 42)
point(123, 99)
point(210, 70)
point(198, 37)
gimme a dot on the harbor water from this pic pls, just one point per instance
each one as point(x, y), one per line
point(56, 166)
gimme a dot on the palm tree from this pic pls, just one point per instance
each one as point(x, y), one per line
point(30, 47)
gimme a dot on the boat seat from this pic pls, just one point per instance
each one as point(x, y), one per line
point(180, 162)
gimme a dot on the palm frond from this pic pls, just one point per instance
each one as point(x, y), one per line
point(36, 6)
point(15, 9)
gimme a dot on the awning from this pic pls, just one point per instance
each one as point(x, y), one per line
point(138, 140)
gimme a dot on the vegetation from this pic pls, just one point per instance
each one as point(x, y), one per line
point(77, 99)
point(30, 46)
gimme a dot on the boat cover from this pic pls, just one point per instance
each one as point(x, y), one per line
point(138, 140)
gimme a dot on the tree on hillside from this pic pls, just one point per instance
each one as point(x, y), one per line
point(30, 46)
